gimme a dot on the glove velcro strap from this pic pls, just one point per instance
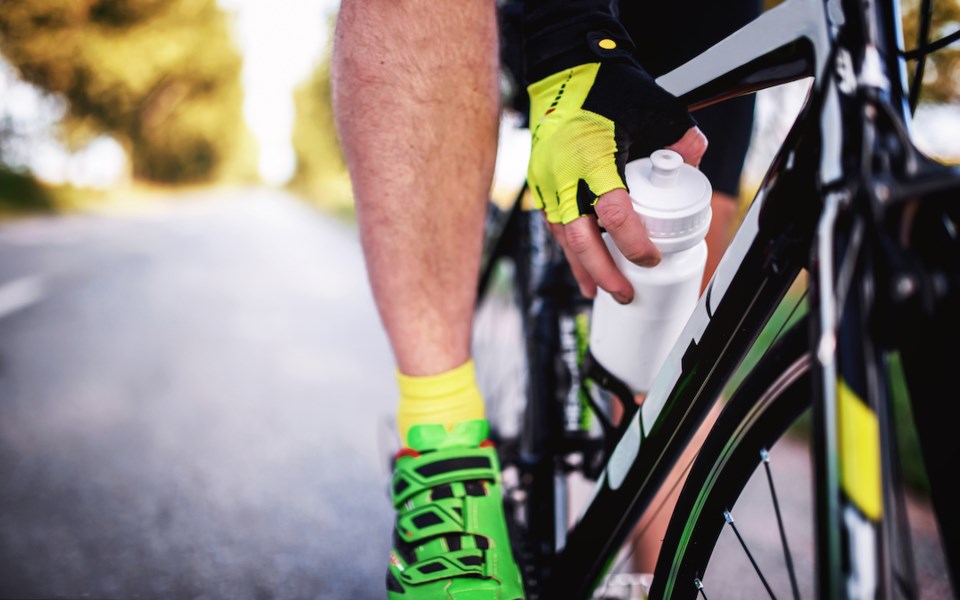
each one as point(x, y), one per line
point(459, 563)
point(413, 476)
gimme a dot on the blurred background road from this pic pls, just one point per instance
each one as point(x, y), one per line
point(189, 405)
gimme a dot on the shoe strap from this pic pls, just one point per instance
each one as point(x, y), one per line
point(433, 519)
point(458, 563)
point(413, 476)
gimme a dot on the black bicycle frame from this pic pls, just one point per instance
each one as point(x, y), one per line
point(852, 49)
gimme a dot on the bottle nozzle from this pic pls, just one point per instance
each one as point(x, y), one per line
point(665, 168)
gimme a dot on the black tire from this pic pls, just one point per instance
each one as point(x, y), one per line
point(774, 396)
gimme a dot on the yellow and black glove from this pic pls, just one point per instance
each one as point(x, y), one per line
point(588, 121)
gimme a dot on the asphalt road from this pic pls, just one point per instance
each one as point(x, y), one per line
point(195, 401)
point(189, 406)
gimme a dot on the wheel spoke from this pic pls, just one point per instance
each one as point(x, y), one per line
point(729, 518)
point(700, 589)
point(765, 456)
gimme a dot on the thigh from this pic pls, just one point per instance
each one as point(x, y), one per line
point(728, 127)
point(669, 33)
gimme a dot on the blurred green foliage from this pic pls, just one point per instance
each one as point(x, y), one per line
point(160, 76)
point(320, 174)
point(19, 192)
point(22, 195)
point(941, 81)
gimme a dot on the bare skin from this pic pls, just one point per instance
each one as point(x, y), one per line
point(588, 256)
point(416, 101)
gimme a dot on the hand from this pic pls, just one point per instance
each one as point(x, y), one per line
point(587, 122)
point(585, 250)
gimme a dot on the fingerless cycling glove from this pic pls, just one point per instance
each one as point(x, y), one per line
point(588, 120)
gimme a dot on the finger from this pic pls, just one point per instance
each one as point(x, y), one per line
point(587, 286)
point(691, 146)
point(615, 211)
point(584, 242)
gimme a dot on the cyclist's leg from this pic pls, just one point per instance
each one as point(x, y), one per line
point(417, 111)
point(416, 105)
point(728, 126)
point(666, 35)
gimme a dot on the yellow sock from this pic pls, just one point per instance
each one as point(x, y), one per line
point(446, 398)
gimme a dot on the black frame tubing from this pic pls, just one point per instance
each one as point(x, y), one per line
point(849, 47)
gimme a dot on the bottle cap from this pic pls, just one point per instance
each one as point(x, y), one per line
point(672, 198)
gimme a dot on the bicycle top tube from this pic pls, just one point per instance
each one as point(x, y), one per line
point(859, 42)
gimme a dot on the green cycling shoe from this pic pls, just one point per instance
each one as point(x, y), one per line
point(450, 541)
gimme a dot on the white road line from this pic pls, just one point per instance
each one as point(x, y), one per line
point(20, 293)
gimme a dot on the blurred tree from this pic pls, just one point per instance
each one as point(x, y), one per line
point(160, 76)
point(941, 80)
point(314, 137)
point(320, 172)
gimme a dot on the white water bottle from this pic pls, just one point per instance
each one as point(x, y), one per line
point(631, 341)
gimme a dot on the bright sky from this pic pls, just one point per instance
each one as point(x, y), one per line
point(281, 41)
